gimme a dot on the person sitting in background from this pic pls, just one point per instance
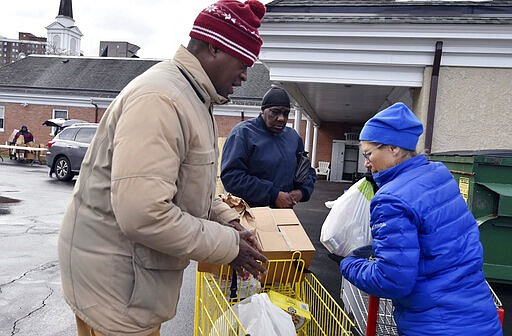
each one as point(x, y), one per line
point(427, 255)
point(259, 158)
point(22, 138)
point(27, 136)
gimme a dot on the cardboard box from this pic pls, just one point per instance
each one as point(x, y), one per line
point(264, 220)
point(280, 234)
point(284, 216)
point(297, 309)
point(11, 137)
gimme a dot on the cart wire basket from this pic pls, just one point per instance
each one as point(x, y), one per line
point(374, 316)
point(216, 293)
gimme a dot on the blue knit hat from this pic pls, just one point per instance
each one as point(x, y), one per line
point(395, 125)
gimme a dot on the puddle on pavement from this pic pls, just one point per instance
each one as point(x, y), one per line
point(8, 200)
point(4, 210)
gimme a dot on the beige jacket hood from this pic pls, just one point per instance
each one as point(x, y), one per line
point(144, 203)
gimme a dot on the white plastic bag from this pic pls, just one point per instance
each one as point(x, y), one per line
point(259, 316)
point(347, 225)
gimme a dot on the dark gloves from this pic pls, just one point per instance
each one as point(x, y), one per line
point(362, 252)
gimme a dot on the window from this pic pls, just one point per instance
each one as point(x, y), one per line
point(60, 114)
point(2, 117)
point(68, 134)
point(56, 42)
point(85, 134)
point(73, 46)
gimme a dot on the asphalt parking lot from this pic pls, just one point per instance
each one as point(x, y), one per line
point(31, 207)
point(31, 303)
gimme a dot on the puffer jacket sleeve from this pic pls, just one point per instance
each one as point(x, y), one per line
point(145, 172)
point(393, 272)
point(234, 172)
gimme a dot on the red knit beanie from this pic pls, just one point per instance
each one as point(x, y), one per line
point(232, 27)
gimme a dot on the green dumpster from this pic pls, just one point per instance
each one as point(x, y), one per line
point(485, 181)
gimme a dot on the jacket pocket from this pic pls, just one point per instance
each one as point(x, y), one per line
point(200, 157)
point(197, 182)
point(199, 165)
point(156, 286)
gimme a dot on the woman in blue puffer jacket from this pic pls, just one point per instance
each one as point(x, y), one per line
point(427, 254)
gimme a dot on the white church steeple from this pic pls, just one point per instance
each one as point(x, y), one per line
point(63, 36)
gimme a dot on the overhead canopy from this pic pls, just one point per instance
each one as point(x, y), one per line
point(346, 60)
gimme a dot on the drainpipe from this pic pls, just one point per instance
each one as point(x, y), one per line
point(432, 97)
point(96, 112)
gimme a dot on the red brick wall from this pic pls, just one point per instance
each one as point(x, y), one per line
point(33, 116)
point(328, 132)
point(226, 123)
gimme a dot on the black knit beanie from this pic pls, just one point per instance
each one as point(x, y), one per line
point(276, 96)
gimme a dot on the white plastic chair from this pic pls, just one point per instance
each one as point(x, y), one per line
point(323, 169)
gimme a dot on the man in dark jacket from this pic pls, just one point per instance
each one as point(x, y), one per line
point(259, 158)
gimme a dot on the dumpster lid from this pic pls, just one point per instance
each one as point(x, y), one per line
point(484, 152)
point(499, 188)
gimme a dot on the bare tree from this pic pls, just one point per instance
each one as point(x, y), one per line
point(52, 49)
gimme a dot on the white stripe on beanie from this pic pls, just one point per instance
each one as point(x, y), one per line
point(226, 42)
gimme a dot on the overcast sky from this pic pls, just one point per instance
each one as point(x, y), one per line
point(156, 26)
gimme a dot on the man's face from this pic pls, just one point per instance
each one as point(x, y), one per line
point(276, 118)
point(227, 73)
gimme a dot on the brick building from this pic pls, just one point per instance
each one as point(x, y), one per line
point(64, 38)
point(12, 50)
point(341, 61)
point(345, 60)
point(38, 88)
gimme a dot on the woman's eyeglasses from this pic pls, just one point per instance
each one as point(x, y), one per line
point(367, 155)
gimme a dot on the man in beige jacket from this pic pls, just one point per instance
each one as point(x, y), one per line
point(144, 204)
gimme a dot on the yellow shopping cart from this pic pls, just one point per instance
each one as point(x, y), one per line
point(216, 293)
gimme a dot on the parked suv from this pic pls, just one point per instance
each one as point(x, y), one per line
point(67, 149)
